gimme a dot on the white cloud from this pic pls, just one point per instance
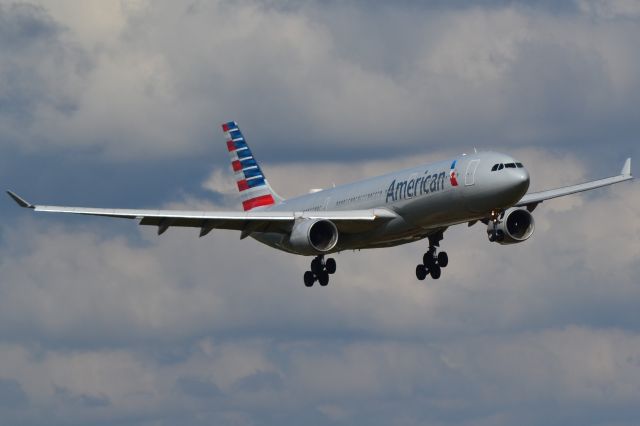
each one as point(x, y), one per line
point(158, 77)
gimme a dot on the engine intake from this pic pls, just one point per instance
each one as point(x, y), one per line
point(313, 236)
point(516, 226)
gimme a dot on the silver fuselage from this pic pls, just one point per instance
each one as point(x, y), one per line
point(424, 197)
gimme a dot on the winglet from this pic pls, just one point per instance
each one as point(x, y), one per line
point(20, 201)
point(626, 169)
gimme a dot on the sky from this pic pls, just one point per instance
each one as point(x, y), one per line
point(118, 104)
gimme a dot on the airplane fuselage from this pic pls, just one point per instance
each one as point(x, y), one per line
point(427, 198)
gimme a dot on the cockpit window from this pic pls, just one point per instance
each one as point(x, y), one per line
point(506, 165)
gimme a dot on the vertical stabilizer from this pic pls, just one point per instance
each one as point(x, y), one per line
point(253, 186)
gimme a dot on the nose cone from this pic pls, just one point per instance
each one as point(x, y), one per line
point(519, 181)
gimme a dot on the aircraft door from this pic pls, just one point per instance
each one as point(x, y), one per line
point(470, 175)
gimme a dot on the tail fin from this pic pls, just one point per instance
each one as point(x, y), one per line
point(254, 189)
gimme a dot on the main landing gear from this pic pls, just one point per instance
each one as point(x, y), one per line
point(320, 271)
point(432, 261)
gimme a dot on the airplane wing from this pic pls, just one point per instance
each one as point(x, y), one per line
point(250, 221)
point(533, 199)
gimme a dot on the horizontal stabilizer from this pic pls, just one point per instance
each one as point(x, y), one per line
point(20, 201)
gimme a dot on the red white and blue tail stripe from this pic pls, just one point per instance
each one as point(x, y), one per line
point(254, 189)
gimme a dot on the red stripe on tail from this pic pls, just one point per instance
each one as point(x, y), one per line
point(242, 185)
point(265, 200)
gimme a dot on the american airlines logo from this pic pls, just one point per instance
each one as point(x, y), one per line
point(415, 187)
point(452, 174)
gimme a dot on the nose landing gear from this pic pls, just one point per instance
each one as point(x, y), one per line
point(320, 271)
point(493, 232)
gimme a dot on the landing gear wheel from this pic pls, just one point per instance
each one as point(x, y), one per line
point(421, 272)
point(309, 278)
point(428, 259)
point(320, 271)
point(443, 259)
point(323, 278)
point(330, 265)
point(435, 272)
point(316, 266)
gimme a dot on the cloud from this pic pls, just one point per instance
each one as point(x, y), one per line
point(40, 70)
point(11, 394)
point(197, 387)
point(572, 374)
point(610, 9)
point(143, 327)
point(309, 80)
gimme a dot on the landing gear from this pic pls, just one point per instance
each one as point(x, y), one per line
point(493, 232)
point(309, 278)
point(436, 271)
point(432, 261)
point(495, 235)
point(330, 265)
point(320, 271)
point(443, 259)
point(323, 278)
point(421, 272)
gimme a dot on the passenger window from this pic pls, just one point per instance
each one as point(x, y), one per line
point(501, 166)
point(495, 167)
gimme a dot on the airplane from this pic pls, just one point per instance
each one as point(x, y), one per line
point(389, 210)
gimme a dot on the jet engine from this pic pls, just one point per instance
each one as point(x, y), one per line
point(516, 226)
point(313, 236)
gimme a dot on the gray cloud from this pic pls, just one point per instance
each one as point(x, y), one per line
point(39, 69)
point(260, 381)
point(197, 387)
point(548, 326)
point(12, 395)
point(66, 397)
point(307, 78)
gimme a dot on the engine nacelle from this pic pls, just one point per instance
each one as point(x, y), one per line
point(313, 236)
point(516, 226)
